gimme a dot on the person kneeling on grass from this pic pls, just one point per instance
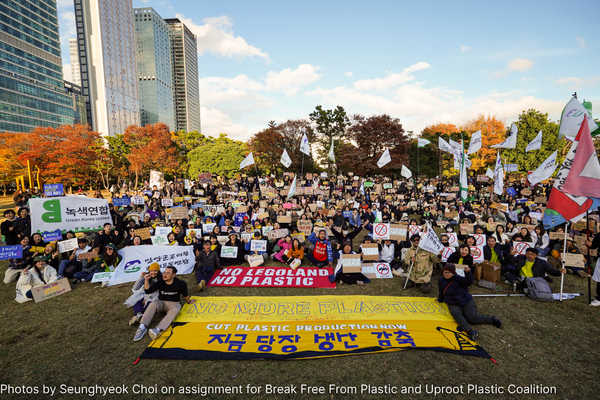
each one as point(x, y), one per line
point(169, 289)
point(453, 290)
point(139, 300)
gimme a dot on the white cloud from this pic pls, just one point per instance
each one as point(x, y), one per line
point(516, 64)
point(67, 74)
point(348, 74)
point(391, 80)
point(215, 122)
point(290, 80)
point(216, 36)
point(577, 83)
point(581, 41)
point(464, 48)
point(67, 27)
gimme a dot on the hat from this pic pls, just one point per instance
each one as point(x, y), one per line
point(347, 243)
point(82, 240)
point(533, 250)
point(40, 258)
point(450, 267)
point(121, 209)
point(190, 223)
point(154, 267)
point(233, 233)
point(570, 239)
point(367, 237)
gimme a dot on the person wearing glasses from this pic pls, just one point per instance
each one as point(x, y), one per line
point(423, 264)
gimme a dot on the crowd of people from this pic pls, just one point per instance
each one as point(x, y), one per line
point(237, 212)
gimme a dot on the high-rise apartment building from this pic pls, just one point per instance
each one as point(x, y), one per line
point(184, 53)
point(32, 90)
point(155, 72)
point(106, 45)
point(74, 55)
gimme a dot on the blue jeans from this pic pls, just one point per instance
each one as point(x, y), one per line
point(204, 274)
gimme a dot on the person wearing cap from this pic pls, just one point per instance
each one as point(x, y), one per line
point(82, 247)
point(423, 264)
point(207, 261)
point(170, 289)
point(38, 274)
point(8, 229)
point(529, 266)
point(140, 300)
point(453, 290)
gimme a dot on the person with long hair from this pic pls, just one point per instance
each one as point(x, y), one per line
point(139, 300)
point(38, 274)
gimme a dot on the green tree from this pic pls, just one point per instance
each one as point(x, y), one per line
point(330, 124)
point(529, 124)
point(220, 156)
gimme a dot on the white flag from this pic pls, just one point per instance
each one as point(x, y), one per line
point(498, 176)
point(249, 160)
point(544, 171)
point(571, 119)
point(456, 146)
point(362, 188)
point(331, 154)
point(422, 142)
point(292, 190)
point(475, 143)
point(405, 172)
point(510, 142)
point(430, 241)
point(285, 159)
point(489, 173)
point(535, 144)
point(463, 181)
point(384, 159)
point(444, 146)
point(304, 145)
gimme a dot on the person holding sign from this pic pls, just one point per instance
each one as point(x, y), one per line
point(169, 291)
point(453, 290)
point(39, 274)
point(233, 242)
point(256, 237)
point(285, 244)
point(17, 265)
point(82, 247)
point(206, 262)
point(462, 256)
point(541, 240)
point(423, 264)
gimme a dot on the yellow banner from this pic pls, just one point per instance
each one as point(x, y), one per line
point(309, 327)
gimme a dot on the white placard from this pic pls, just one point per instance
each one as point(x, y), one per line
point(67, 245)
point(447, 252)
point(229, 251)
point(167, 202)
point(258, 245)
point(480, 239)
point(162, 230)
point(102, 277)
point(370, 251)
point(381, 231)
point(208, 228)
point(383, 270)
point(160, 240)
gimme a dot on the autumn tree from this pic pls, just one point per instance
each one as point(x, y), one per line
point(331, 124)
point(372, 136)
point(65, 154)
point(292, 132)
point(432, 160)
point(266, 147)
point(11, 146)
point(151, 148)
point(493, 131)
point(220, 156)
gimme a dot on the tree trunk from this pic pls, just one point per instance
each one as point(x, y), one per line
point(136, 180)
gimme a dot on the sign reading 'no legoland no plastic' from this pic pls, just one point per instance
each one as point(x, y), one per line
point(71, 213)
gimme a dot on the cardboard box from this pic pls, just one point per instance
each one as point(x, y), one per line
point(477, 271)
point(368, 270)
point(490, 272)
point(370, 252)
point(351, 263)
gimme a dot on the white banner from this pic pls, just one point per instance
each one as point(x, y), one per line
point(475, 144)
point(137, 259)
point(544, 171)
point(430, 241)
point(384, 159)
point(535, 144)
point(71, 213)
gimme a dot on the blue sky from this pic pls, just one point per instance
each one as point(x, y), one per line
point(424, 63)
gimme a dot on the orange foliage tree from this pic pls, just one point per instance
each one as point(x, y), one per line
point(493, 132)
point(151, 148)
point(64, 154)
point(431, 156)
point(11, 146)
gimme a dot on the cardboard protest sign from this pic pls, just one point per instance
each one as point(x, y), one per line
point(398, 232)
point(67, 245)
point(540, 199)
point(466, 229)
point(179, 213)
point(84, 256)
point(370, 251)
point(50, 290)
point(229, 251)
point(574, 260)
point(351, 263)
point(556, 235)
point(327, 230)
point(278, 234)
point(300, 236)
point(143, 233)
point(526, 192)
point(381, 231)
point(255, 260)
point(284, 219)
point(305, 226)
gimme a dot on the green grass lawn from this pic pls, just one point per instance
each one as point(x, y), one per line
point(82, 339)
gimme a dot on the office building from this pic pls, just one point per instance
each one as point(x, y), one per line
point(75, 70)
point(184, 54)
point(32, 90)
point(109, 80)
point(154, 69)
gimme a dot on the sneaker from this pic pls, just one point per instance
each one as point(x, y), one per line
point(508, 282)
point(105, 284)
point(139, 334)
point(397, 272)
point(595, 303)
point(75, 281)
point(201, 285)
point(496, 322)
point(360, 283)
point(569, 271)
point(154, 333)
point(426, 288)
point(473, 334)
point(582, 273)
point(133, 320)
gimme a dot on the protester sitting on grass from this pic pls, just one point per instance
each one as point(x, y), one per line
point(453, 290)
point(51, 255)
point(462, 256)
point(72, 263)
point(89, 266)
point(109, 260)
point(263, 253)
point(346, 277)
point(139, 300)
point(322, 254)
point(207, 261)
point(284, 244)
point(169, 291)
point(37, 242)
point(571, 249)
point(233, 242)
point(530, 266)
point(17, 265)
point(422, 262)
point(106, 236)
point(37, 275)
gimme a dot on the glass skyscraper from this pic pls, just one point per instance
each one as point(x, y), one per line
point(32, 90)
point(184, 53)
point(155, 74)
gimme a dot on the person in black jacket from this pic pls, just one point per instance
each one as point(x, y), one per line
point(235, 242)
point(8, 228)
point(462, 256)
point(530, 266)
point(492, 252)
point(106, 236)
point(207, 261)
point(453, 290)
point(23, 223)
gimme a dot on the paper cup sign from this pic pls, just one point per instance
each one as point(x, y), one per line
point(383, 270)
point(229, 251)
point(521, 247)
point(477, 253)
point(480, 240)
point(447, 252)
point(381, 231)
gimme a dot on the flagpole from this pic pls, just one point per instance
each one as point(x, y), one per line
point(562, 276)
point(418, 166)
point(302, 170)
point(589, 271)
point(410, 269)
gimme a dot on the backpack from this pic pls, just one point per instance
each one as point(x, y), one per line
point(538, 289)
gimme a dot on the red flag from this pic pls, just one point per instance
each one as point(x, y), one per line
point(584, 176)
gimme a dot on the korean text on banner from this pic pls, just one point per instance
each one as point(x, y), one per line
point(71, 213)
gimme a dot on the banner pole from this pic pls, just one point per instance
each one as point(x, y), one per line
point(589, 271)
point(562, 276)
point(410, 269)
